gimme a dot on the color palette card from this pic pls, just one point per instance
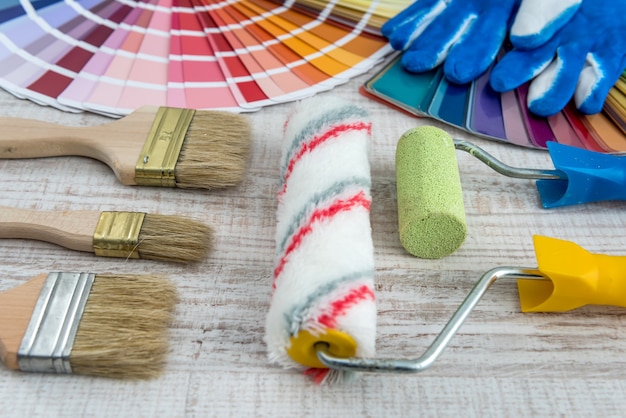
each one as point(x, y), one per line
point(412, 93)
point(113, 56)
point(615, 106)
point(350, 11)
point(477, 108)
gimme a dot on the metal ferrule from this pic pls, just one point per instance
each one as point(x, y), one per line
point(50, 335)
point(157, 161)
point(117, 234)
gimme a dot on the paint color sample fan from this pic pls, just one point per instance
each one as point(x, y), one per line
point(113, 56)
point(478, 109)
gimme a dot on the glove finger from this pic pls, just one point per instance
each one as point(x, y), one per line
point(598, 76)
point(551, 90)
point(402, 29)
point(476, 51)
point(432, 47)
point(519, 66)
point(537, 21)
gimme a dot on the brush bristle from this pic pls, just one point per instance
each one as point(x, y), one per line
point(174, 238)
point(215, 151)
point(123, 332)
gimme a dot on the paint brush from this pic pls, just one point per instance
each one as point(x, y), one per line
point(153, 146)
point(85, 323)
point(112, 234)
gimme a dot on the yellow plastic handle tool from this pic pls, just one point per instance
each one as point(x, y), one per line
point(575, 278)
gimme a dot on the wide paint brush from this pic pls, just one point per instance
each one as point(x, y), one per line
point(154, 146)
point(85, 323)
point(112, 234)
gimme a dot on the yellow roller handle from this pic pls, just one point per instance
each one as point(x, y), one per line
point(576, 278)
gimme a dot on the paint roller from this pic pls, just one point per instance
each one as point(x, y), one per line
point(322, 289)
point(566, 277)
point(431, 215)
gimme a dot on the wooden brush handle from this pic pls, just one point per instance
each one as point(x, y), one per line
point(16, 309)
point(72, 229)
point(117, 144)
point(25, 138)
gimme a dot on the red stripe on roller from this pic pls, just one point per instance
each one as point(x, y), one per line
point(318, 375)
point(309, 146)
point(318, 215)
point(340, 306)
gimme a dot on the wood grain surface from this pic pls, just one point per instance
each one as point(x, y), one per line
point(501, 363)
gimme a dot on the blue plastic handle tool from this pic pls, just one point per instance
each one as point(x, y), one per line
point(580, 176)
point(590, 177)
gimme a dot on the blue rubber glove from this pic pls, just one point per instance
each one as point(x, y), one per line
point(465, 35)
point(537, 21)
point(582, 60)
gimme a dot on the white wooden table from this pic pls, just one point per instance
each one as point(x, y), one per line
point(502, 362)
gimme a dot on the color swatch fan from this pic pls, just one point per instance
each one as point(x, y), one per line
point(478, 109)
point(113, 56)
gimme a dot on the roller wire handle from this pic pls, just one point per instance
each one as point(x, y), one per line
point(567, 277)
point(580, 176)
point(507, 170)
point(441, 341)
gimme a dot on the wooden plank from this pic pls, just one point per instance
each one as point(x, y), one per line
point(502, 362)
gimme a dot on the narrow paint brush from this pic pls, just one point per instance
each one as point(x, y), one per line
point(153, 146)
point(112, 234)
point(86, 323)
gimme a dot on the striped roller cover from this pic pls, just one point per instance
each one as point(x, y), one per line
point(323, 274)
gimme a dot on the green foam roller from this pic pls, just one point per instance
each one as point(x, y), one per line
point(431, 213)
